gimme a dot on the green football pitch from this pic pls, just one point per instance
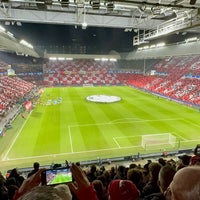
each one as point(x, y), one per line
point(75, 129)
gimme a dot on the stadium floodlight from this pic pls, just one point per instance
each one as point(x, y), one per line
point(52, 58)
point(110, 6)
point(84, 25)
point(113, 59)
point(2, 29)
point(97, 59)
point(192, 39)
point(64, 3)
point(160, 44)
point(25, 43)
point(61, 58)
point(153, 46)
point(10, 34)
point(146, 47)
point(48, 2)
point(95, 4)
point(18, 23)
point(68, 58)
point(104, 59)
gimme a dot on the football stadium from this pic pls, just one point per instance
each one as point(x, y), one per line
point(98, 83)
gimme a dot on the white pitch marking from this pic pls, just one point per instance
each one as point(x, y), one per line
point(18, 133)
point(180, 136)
point(124, 122)
point(70, 140)
point(116, 142)
point(50, 155)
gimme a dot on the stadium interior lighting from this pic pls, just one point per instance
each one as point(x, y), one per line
point(64, 3)
point(18, 23)
point(52, 58)
point(48, 2)
point(25, 43)
point(113, 59)
point(128, 29)
point(61, 58)
point(68, 58)
point(97, 59)
point(140, 48)
point(110, 6)
point(156, 10)
point(146, 47)
point(2, 29)
point(84, 24)
point(160, 44)
point(7, 23)
point(192, 39)
point(95, 4)
point(104, 59)
point(10, 34)
point(153, 46)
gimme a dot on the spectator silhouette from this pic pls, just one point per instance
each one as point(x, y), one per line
point(152, 186)
point(14, 178)
point(136, 176)
point(92, 174)
point(100, 189)
point(3, 189)
point(165, 177)
point(121, 173)
point(36, 167)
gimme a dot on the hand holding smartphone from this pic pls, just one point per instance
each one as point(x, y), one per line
point(56, 176)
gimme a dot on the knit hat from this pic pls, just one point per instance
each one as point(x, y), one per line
point(123, 190)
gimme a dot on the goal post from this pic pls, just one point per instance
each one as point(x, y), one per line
point(159, 140)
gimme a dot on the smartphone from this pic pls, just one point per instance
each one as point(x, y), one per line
point(56, 176)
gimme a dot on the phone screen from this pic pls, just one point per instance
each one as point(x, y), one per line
point(57, 176)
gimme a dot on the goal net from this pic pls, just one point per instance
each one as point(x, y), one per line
point(158, 140)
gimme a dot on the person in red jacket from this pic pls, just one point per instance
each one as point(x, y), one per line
point(82, 188)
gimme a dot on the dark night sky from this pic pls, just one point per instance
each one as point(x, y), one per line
point(97, 39)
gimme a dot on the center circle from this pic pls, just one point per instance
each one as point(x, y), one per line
point(103, 98)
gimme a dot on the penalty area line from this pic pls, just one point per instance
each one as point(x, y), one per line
point(74, 153)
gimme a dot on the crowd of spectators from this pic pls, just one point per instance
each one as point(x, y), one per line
point(79, 72)
point(161, 179)
point(12, 89)
point(176, 78)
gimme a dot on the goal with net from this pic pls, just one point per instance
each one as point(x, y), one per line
point(162, 140)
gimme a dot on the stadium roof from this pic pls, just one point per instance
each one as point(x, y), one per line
point(147, 20)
